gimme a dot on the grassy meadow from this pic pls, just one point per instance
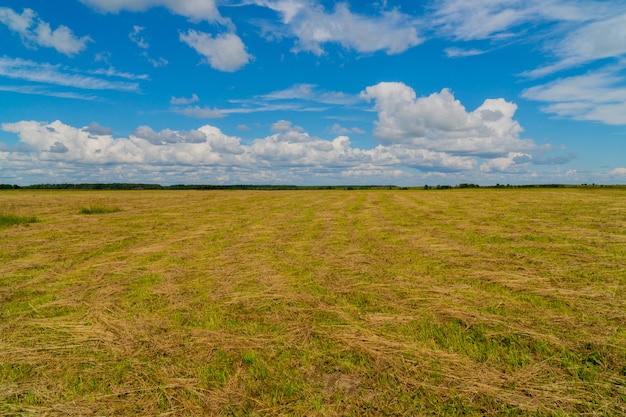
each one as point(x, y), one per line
point(454, 302)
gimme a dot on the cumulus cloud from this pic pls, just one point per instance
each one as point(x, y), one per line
point(196, 10)
point(285, 126)
point(95, 129)
point(618, 171)
point(513, 162)
point(35, 32)
point(168, 136)
point(223, 52)
point(441, 123)
point(59, 142)
point(289, 154)
point(288, 148)
point(391, 31)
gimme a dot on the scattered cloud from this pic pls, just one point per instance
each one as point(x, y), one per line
point(312, 26)
point(156, 63)
point(35, 32)
point(441, 123)
point(136, 37)
point(223, 52)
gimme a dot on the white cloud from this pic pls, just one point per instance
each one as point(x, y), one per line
point(55, 74)
point(42, 91)
point(67, 154)
point(337, 129)
point(157, 63)
point(196, 10)
point(224, 52)
point(112, 72)
point(597, 40)
point(200, 112)
point(183, 100)
point(454, 52)
point(136, 37)
point(95, 129)
point(513, 162)
point(285, 126)
point(599, 96)
point(485, 19)
point(36, 32)
point(441, 123)
point(618, 171)
point(63, 143)
point(168, 136)
point(391, 31)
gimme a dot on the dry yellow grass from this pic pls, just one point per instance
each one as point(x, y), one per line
point(442, 302)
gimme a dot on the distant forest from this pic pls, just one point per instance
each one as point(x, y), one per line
point(133, 186)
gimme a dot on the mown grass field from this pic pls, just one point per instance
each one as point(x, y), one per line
point(319, 303)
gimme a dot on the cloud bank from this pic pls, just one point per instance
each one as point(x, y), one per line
point(418, 135)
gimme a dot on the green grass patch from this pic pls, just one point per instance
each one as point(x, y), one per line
point(97, 209)
point(8, 220)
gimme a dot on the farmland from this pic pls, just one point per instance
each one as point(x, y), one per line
point(313, 302)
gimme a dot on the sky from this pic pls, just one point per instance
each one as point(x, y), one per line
point(313, 92)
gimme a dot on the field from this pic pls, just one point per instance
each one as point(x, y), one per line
point(319, 303)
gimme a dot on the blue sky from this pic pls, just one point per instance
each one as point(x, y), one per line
point(313, 92)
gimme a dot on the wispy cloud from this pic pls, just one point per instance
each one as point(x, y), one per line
point(454, 52)
point(599, 96)
point(487, 19)
point(601, 39)
point(40, 91)
point(27, 70)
